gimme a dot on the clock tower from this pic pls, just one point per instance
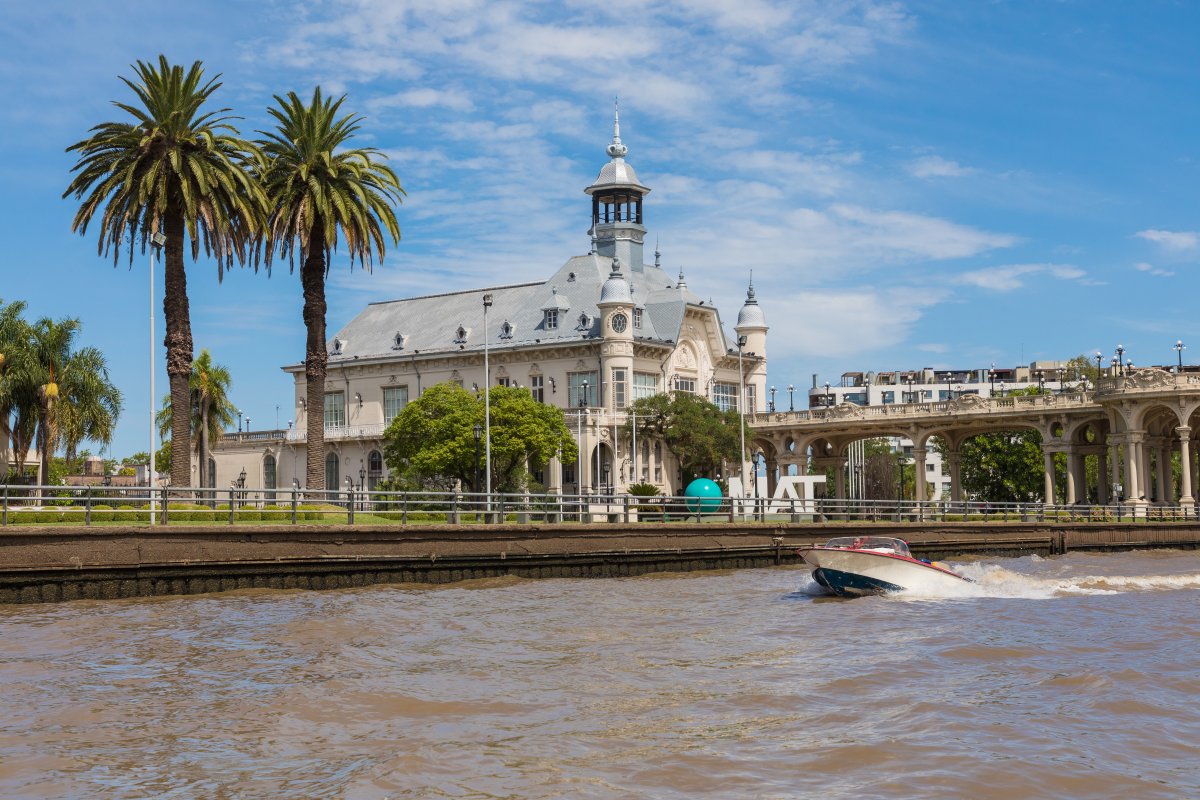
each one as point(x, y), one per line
point(616, 331)
point(617, 230)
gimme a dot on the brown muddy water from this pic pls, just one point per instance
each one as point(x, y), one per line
point(1071, 677)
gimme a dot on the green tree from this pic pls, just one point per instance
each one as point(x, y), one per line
point(433, 436)
point(319, 195)
point(212, 410)
point(177, 169)
point(1001, 467)
point(701, 436)
point(75, 398)
point(15, 353)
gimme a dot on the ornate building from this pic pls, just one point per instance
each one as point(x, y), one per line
point(604, 330)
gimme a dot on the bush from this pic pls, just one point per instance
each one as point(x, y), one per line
point(102, 513)
point(276, 514)
point(247, 514)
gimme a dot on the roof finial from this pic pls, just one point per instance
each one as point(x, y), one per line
point(616, 149)
point(750, 301)
point(657, 254)
point(682, 282)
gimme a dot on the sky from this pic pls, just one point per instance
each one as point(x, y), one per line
point(911, 184)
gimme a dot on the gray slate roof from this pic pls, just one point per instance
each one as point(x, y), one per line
point(429, 324)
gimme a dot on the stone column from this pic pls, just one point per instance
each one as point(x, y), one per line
point(772, 477)
point(955, 459)
point(1119, 472)
point(919, 478)
point(1185, 465)
point(1102, 476)
point(1048, 475)
point(1133, 458)
point(1166, 488)
point(1072, 473)
point(839, 478)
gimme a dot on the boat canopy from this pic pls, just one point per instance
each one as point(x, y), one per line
point(880, 544)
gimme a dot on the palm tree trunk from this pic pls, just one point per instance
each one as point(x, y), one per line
point(44, 442)
point(312, 279)
point(178, 341)
point(202, 449)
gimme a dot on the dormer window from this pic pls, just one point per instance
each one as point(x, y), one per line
point(637, 319)
point(570, 277)
point(584, 323)
point(460, 335)
point(506, 330)
point(338, 344)
point(551, 319)
point(398, 341)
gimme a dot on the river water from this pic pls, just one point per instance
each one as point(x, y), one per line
point(1070, 677)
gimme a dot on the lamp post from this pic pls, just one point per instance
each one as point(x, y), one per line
point(772, 399)
point(157, 240)
point(741, 342)
point(1099, 359)
point(828, 396)
point(791, 401)
point(1179, 348)
point(487, 406)
point(583, 398)
point(1060, 371)
point(867, 391)
point(1041, 376)
point(949, 392)
point(910, 380)
point(239, 412)
point(478, 432)
point(1120, 358)
point(992, 381)
point(899, 478)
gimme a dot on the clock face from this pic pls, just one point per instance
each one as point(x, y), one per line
point(618, 323)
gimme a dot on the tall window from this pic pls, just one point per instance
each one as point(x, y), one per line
point(537, 387)
point(504, 382)
point(658, 462)
point(395, 398)
point(637, 318)
point(685, 385)
point(575, 390)
point(269, 478)
point(374, 469)
point(751, 398)
point(619, 388)
point(335, 410)
point(551, 319)
point(331, 471)
point(725, 396)
point(645, 384)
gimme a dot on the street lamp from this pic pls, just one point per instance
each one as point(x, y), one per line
point(478, 431)
point(791, 401)
point(1179, 348)
point(828, 396)
point(1120, 357)
point(579, 462)
point(239, 420)
point(487, 405)
point(992, 380)
point(241, 481)
point(1060, 379)
point(912, 396)
point(741, 342)
point(1099, 359)
point(949, 392)
point(1041, 376)
point(362, 476)
point(772, 399)
point(157, 240)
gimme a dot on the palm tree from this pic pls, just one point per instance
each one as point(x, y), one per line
point(177, 170)
point(75, 398)
point(315, 197)
point(14, 353)
point(211, 409)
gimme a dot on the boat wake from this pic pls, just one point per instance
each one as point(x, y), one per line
point(993, 580)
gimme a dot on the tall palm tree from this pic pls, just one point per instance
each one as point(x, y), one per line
point(318, 195)
point(75, 398)
point(211, 409)
point(14, 354)
point(179, 170)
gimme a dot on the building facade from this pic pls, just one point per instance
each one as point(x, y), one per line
point(604, 330)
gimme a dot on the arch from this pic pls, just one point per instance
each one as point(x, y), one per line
point(332, 471)
point(374, 469)
point(604, 470)
point(270, 477)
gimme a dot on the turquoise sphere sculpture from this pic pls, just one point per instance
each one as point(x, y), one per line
point(703, 496)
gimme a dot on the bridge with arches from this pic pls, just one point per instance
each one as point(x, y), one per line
point(1131, 425)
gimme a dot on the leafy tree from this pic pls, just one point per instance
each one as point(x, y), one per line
point(177, 169)
point(701, 436)
point(1004, 466)
point(433, 436)
point(14, 366)
point(212, 410)
point(317, 196)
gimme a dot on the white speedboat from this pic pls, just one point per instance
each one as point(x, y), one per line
point(851, 566)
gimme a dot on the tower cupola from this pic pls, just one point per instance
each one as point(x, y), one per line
point(617, 230)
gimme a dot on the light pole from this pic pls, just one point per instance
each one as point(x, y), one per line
point(1099, 358)
point(910, 380)
point(741, 342)
point(949, 392)
point(791, 400)
point(583, 398)
point(239, 420)
point(1120, 358)
point(772, 399)
point(992, 381)
point(828, 396)
point(1041, 376)
point(487, 406)
point(157, 240)
point(478, 432)
point(1179, 348)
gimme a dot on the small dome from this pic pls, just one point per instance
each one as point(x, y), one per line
point(616, 288)
point(751, 315)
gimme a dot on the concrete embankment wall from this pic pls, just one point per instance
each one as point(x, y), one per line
point(57, 563)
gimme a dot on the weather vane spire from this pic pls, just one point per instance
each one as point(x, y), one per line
point(617, 149)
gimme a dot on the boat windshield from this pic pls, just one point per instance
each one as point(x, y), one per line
point(881, 544)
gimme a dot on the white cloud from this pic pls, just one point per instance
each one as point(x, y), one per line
point(1011, 277)
point(937, 167)
point(1172, 240)
point(1150, 269)
point(425, 98)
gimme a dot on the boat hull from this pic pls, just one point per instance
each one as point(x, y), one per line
point(853, 573)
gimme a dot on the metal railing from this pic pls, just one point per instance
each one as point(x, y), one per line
point(103, 505)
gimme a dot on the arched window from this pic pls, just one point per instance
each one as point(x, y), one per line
point(374, 469)
point(269, 478)
point(332, 478)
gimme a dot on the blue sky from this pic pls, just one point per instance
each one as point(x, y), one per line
point(913, 184)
